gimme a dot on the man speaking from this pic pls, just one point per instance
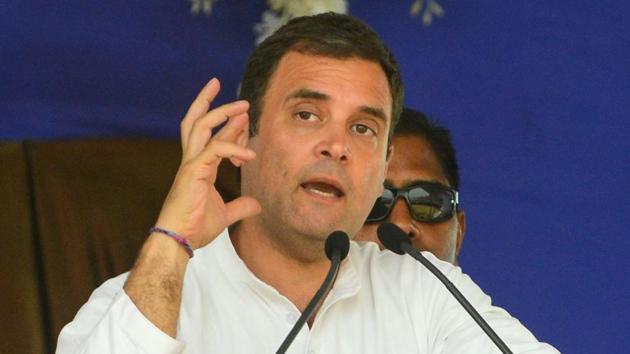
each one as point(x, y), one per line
point(311, 135)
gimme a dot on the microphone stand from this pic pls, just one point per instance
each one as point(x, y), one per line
point(336, 252)
point(413, 252)
point(397, 238)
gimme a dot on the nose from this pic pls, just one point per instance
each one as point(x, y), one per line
point(401, 217)
point(335, 146)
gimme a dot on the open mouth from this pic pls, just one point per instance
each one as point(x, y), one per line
point(323, 189)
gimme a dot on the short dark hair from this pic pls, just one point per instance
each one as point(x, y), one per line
point(331, 35)
point(415, 123)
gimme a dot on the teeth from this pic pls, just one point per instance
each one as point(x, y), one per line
point(322, 193)
point(322, 189)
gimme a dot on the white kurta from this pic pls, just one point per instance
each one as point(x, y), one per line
point(380, 303)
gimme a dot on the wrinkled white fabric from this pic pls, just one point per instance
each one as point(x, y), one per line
point(380, 303)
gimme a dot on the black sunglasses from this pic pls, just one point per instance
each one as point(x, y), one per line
point(428, 202)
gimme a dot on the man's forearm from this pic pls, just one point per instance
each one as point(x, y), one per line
point(156, 280)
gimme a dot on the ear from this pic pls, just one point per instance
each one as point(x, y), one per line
point(242, 140)
point(388, 159)
point(390, 151)
point(461, 230)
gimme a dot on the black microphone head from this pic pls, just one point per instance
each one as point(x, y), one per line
point(337, 240)
point(391, 236)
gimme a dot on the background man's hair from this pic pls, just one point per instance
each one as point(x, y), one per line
point(414, 123)
point(330, 35)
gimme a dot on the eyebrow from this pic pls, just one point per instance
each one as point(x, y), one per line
point(375, 112)
point(320, 96)
point(306, 93)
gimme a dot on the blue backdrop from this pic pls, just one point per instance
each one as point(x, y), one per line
point(535, 92)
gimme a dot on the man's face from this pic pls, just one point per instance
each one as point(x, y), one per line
point(321, 146)
point(414, 161)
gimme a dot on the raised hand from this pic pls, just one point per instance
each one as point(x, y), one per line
point(193, 207)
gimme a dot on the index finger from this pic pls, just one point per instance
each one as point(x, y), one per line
point(199, 107)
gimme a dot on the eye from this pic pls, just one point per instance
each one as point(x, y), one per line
point(363, 129)
point(305, 115)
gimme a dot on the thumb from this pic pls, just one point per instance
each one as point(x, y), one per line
point(241, 208)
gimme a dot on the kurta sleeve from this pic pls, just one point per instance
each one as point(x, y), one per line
point(111, 323)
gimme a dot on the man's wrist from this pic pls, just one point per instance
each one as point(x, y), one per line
point(175, 236)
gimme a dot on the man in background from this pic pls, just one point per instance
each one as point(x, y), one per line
point(421, 187)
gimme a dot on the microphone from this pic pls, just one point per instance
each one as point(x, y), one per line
point(336, 248)
point(395, 240)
